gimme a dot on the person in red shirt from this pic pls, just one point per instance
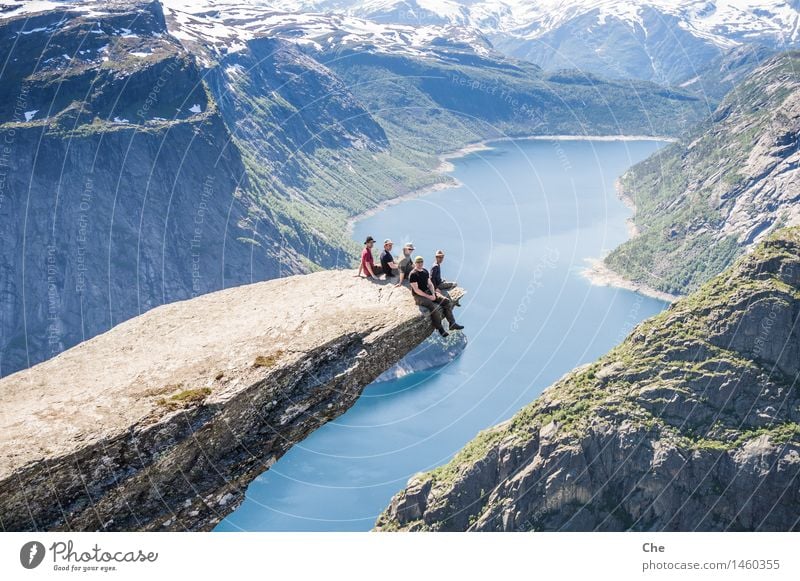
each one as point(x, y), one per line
point(367, 265)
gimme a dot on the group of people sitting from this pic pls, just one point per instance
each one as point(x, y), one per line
point(426, 288)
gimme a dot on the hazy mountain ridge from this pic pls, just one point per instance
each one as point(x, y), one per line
point(721, 75)
point(658, 40)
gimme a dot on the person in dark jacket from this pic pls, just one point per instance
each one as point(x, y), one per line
point(427, 296)
point(388, 265)
point(436, 274)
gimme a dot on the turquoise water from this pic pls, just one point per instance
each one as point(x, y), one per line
point(516, 234)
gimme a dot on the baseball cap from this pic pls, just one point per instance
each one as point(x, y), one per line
point(439, 253)
point(409, 245)
point(419, 259)
point(387, 241)
point(369, 239)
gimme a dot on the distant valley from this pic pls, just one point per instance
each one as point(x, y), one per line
point(674, 43)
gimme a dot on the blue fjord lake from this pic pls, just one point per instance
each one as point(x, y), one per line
point(517, 233)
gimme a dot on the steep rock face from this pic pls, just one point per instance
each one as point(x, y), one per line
point(121, 189)
point(693, 423)
point(160, 423)
point(702, 202)
point(124, 220)
point(74, 69)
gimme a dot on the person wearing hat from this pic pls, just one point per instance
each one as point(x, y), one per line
point(427, 296)
point(436, 274)
point(367, 265)
point(388, 265)
point(406, 264)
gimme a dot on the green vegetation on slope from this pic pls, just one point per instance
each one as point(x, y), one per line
point(702, 202)
point(438, 105)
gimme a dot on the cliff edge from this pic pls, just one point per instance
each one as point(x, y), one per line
point(162, 422)
point(692, 423)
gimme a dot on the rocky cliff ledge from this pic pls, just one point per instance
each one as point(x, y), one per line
point(160, 423)
point(691, 424)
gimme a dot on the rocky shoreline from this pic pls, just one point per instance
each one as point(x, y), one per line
point(598, 274)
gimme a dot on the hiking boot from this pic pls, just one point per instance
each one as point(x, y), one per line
point(443, 333)
point(456, 327)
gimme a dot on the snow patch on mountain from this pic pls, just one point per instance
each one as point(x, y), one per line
point(225, 25)
point(726, 22)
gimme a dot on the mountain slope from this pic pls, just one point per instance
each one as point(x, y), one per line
point(692, 423)
point(468, 98)
point(702, 202)
point(722, 74)
point(120, 190)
